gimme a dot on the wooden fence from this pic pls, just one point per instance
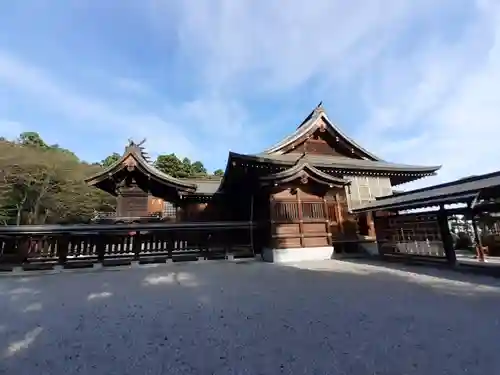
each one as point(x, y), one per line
point(73, 245)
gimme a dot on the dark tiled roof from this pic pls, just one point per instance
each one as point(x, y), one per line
point(340, 162)
point(464, 189)
point(205, 186)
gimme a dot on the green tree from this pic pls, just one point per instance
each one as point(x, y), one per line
point(32, 139)
point(198, 169)
point(113, 158)
point(169, 164)
point(41, 185)
point(219, 172)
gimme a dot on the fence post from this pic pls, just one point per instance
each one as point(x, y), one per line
point(100, 246)
point(62, 244)
point(136, 244)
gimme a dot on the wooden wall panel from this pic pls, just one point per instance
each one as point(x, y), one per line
point(316, 241)
point(315, 227)
point(287, 228)
point(308, 218)
point(286, 243)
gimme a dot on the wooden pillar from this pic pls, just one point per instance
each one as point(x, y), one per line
point(477, 238)
point(371, 224)
point(301, 219)
point(446, 237)
point(327, 223)
point(272, 224)
point(340, 217)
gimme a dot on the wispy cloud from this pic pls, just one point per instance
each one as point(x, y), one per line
point(450, 106)
point(132, 86)
point(169, 128)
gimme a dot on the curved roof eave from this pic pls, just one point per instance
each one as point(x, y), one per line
point(144, 166)
point(354, 164)
point(310, 170)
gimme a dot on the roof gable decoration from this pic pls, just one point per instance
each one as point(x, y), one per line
point(304, 172)
point(134, 158)
point(318, 120)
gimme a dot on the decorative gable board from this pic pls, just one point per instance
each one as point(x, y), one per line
point(322, 142)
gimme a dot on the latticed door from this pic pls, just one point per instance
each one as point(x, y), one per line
point(340, 224)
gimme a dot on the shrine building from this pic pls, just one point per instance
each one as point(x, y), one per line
point(301, 191)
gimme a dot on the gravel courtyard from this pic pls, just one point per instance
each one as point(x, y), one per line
point(253, 318)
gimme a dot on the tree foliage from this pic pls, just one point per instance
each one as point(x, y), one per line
point(45, 184)
point(175, 167)
point(111, 159)
point(42, 183)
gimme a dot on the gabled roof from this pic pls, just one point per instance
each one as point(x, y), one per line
point(309, 125)
point(134, 158)
point(462, 190)
point(303, 170)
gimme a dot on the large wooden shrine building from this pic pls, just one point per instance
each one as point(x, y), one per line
point(300, 192)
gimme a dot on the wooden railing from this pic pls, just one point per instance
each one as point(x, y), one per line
point(65, 244)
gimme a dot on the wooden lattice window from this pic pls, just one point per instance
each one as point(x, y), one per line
point(285, 211)
point(313, 211)
point(170, 210)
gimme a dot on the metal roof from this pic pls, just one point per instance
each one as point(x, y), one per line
point(450, 192)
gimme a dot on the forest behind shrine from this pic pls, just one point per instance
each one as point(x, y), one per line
point(44, 184)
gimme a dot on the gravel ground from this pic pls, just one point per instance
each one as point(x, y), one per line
point(251, 318)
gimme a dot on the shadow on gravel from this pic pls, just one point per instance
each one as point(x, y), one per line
point(256, 318)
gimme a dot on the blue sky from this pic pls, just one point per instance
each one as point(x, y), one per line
point(413, 81)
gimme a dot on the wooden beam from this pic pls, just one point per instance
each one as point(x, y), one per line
point(301, 218)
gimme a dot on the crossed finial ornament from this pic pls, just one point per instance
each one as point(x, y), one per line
point(132, 143)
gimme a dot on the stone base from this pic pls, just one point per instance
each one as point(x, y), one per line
point(297, 254)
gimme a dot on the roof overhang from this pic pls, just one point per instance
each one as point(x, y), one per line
point(304, 172)
point(468, 190)
point(339, 165)
point(436, 201)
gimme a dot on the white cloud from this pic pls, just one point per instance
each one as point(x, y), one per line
point(427, 105)
point(451, 112)
point(132, 86)
point(167, 129)
point(287, 44)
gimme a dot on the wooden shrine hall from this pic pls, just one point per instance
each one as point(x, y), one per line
point(300, 192)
